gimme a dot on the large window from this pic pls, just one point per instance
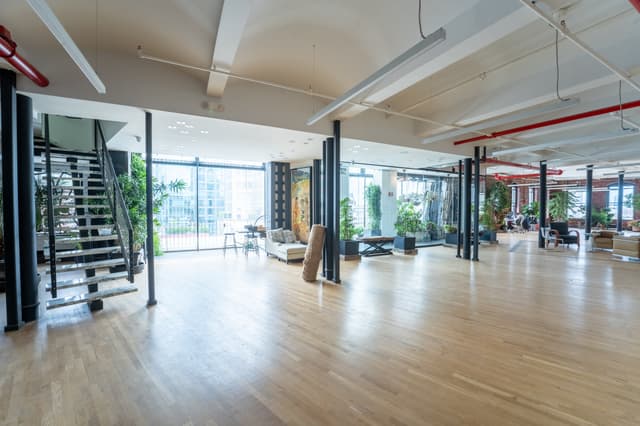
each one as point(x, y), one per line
point(627, 212)
point(218, 198)
point(578, 210)
point(358, 181)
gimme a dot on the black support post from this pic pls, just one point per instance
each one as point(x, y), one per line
point(476, 202)
point(620, 201)
point(336, 201)
point(329, 208)
point(8, 122)
point(148, 121)
point(466, 246)
point(542, 195)
point(588, 206)
point(459, 212)
point(26, 206)
point(323, 215)
point(316, 197)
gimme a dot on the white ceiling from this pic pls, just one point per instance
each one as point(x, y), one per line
point(330, 46)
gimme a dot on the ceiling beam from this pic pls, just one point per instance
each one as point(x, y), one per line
point(233, 20)
point(482, 25)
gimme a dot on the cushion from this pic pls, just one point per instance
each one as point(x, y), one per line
point(561, 227)
point(276, 235)
point(289, 236)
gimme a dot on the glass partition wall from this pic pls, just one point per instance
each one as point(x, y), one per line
point(218, 198)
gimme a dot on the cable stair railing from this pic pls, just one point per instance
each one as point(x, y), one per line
point(84, 207)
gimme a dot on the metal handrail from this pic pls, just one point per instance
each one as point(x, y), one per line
point(118, 206)
point(50, 217)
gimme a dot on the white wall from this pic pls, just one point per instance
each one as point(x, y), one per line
point(388, 188)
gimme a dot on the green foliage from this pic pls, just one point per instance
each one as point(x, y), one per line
point(531, 209)
point(496, 204)
point(601, 217)
point(560, 203)
point(409, 220)
point(450, 229)
point(40, 195)
point(372, 196)
point(347, 230)
point(134, 191)
point(632, 201)
point(157, 250)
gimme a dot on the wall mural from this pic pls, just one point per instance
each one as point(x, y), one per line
point(301, 203)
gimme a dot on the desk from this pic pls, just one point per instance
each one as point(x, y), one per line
point(375, 246)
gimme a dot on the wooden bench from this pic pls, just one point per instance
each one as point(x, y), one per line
point(375, 246)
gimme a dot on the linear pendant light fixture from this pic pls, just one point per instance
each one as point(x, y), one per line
point(424, 45)
point(46, 15)
point(545, 109)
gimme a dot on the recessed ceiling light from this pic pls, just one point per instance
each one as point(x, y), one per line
point(184, 132)
point(180, 123)
point(171, 127)
point(188, 126)
point(366, 149)
point(204, 132)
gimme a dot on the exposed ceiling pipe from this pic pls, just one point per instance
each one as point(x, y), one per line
point(623, 75)
point(8, 52)
point(636, 4)
point(510, 164)
point(553, 122)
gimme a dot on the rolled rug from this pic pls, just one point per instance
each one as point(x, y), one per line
point(313, 254)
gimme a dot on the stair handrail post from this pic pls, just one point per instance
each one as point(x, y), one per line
point(116, 200)
point(51, 226)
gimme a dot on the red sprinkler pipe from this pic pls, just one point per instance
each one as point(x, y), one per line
point(566, 119)
point(503, 177)
point(636, 4)
point(509, 163)
point(8, 53)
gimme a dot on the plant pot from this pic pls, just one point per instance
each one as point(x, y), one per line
point(635, 228)
point(349, 247)
point(404, 243)
point(488, 236)
point(451, 238)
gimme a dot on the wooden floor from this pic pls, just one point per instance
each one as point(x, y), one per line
point(523, 337)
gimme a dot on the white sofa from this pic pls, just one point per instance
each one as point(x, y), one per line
point(284, 251)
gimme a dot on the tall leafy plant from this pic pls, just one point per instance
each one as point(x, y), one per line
point(347, 229)
point(560, 203)
point(409, 220)
point(496, 204)
point(134, 191)
point(373, 195)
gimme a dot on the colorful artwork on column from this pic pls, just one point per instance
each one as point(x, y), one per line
point(301, 203)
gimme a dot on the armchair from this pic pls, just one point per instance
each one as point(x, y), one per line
point(561, 232)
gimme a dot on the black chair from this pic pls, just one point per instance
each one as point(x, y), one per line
point(561, 231)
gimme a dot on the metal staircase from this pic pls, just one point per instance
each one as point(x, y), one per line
point(90, 235)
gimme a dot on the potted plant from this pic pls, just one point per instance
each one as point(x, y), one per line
point(450, 234)
point(560, 203)
point(407, 223)
point(489, 222)
point(374, 212)
point(635, 225)
point(601, 218)
point(348, 246)
point(432, 230)
point(134, 190)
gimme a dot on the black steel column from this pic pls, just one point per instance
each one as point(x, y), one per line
point(542, 195)
point(466, 246)
point(329, 210)
point(323, 214)
point(336, 201)
point(197, 203)
point(148, 122)
point(10, 199)
point(476, 202)
point(587, 213)
point(620, 201)
point(459, 212)
point(316, 194)
point(27, 227)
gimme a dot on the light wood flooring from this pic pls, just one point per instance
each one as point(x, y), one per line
point(526, 336)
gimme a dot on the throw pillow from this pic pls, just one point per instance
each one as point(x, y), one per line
point(277, 235)
point(289, 236)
